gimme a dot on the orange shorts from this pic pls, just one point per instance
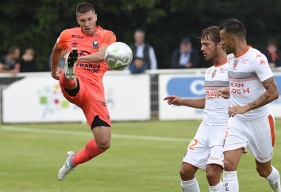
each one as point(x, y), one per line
point(90, 99)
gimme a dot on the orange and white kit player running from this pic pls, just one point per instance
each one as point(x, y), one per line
point(206, 149)
point(251, 88)
point(81, 81)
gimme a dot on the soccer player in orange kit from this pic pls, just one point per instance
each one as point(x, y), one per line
point(81, 81)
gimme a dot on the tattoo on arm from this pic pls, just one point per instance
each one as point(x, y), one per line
point(268, 96)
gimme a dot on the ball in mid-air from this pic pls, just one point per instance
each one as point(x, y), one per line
point(118, 55)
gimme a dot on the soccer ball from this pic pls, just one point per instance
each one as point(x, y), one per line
point(118, 55)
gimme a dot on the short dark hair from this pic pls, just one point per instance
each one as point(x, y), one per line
point(139, 31)
point(272, 42)
point(84, 8)
point(213, 33)
point(185, 41)
point(234, 26)
point(12, 50)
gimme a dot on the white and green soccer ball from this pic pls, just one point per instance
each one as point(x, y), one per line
point(118, 55)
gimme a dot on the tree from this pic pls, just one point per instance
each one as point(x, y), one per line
point(37, 24)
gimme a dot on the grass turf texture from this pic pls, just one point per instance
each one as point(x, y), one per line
point(29, 161)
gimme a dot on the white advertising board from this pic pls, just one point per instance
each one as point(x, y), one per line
point(192, 86)
point(127, 96)
point(185, 86)
point(39, 99)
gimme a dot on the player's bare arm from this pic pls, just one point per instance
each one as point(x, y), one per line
point(56, 55)
point(176, 100)
point(269, 95)
point(94, 57)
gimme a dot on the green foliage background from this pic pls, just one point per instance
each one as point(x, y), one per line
point(37, 24)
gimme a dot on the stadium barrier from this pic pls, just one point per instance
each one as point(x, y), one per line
point(36, 97)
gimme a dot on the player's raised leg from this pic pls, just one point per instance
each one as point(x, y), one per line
point(67, 78)
point(95, 146)
point(67, 166)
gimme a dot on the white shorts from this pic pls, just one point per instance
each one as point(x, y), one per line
point(257, 135)
point(207, 146)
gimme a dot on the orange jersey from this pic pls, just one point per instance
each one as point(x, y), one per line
point(90, 97)
point(85, 44)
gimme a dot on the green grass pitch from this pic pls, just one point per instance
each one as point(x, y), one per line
point(31, 155)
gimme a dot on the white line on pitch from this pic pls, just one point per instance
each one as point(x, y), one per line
point(63, 132)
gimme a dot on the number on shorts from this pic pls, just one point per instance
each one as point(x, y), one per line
point(195, 141)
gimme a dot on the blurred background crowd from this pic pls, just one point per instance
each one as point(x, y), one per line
point(162, 34)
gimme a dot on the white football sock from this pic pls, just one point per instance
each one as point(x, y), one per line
point(274, 180)
point(217, 188)
point(230, 181)
point(190, 185)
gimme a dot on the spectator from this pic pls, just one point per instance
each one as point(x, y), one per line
point(10, 63)
point(143, 54)
point(273, 54)
point(61, 62)
point(28, 63)
point(185, 56)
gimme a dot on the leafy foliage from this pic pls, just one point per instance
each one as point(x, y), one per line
point(37, 24)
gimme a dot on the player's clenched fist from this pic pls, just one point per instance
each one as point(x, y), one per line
point(224, 92)
point(56, 75)
point(175, 100)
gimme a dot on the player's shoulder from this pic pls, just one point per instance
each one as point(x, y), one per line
point(255, 55)
point(229, 57)
point(209, 70)
point(70, 31)
point(104, 31)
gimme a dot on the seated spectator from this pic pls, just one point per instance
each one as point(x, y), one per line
point(61, 61)
point(273, 54)
point(143, 54)
point(185, 56)
point(10, 63)
point(28, 63)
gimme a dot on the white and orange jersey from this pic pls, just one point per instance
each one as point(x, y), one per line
point(216, 107)
point(246, 72)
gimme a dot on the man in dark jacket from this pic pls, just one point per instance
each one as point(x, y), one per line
point(143, 54)
point(185, 56)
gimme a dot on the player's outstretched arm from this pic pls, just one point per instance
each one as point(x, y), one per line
point(269, 95)
point(94, 57)
point(195, 103)
point(109, 38)
point(56, 54)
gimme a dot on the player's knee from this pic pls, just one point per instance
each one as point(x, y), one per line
point(213, 175)
point(263, 172)
point(229, 165)
point(186, 174)
point(103, 144)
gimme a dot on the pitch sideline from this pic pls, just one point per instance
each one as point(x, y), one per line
point(63, 132)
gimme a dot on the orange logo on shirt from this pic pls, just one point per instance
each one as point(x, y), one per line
point(258, 55)
point(223, 70)
point(235, 64)
point(214, 73)
point(262, 62)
